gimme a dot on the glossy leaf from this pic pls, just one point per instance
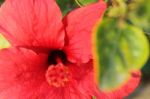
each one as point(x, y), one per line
point(119, 49)
point(3, 42)
point(85, 2)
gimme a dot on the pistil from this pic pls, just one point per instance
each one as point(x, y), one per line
point(57, 75)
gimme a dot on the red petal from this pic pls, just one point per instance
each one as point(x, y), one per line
point(83, 74)
point(32, 23)
point(127, 88)
point(81, 86)
point(71, 91)
point(79, 24)
point(22, 76)
point(22, 73)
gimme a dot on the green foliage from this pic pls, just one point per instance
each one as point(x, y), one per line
point(121, 48)
point(85, 2)
point(118, 8)
point(140, 15)
point(121, 41)
point(146, 71)
point(1, 1)
point(66, 5)
point(3, 42)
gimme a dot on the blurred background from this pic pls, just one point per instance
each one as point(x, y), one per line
point(131, 12)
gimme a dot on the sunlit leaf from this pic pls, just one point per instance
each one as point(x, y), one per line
point(85, 2)
point(119, 49)
point(3, 42)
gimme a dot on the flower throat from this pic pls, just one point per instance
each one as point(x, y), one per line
point(57, 74)
point(56, 56)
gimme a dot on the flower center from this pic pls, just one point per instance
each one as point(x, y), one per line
point(57, 56)
point(57, 75)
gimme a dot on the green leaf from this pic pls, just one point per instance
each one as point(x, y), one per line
point(140, 15)
point(1, 1)
point(120, 49)
point(66, 5)
point(3, 42)
point(118, 6)
point(85, 2)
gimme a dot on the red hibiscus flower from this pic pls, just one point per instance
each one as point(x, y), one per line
point(50, 57)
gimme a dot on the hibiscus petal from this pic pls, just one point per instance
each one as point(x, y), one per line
point(80, 86)
point(70, 91)
point(34, 23)
point(22, 76)
point(127, 88)
point(83, 74)
point(79, 24)
point(22, 73)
